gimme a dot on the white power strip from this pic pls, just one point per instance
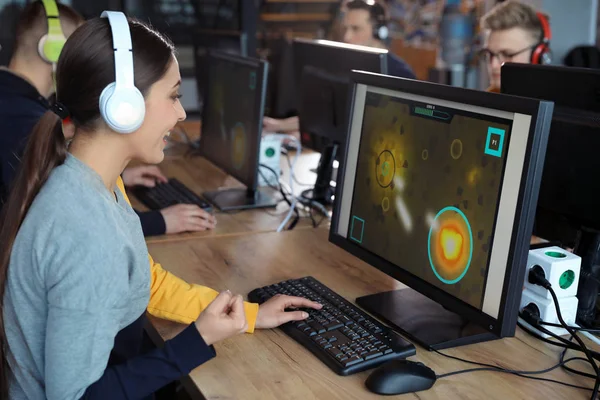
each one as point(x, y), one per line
point(561, 269)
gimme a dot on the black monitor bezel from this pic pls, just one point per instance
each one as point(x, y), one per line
point(541, 113)
point(262, 69)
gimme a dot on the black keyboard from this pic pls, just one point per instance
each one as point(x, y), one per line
point(345, 338)
point(168, 194)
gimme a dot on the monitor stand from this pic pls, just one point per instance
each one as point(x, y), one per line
point(322, 192)
point(422, 320)
point(239, 199)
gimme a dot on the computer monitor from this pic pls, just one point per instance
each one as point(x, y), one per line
point(232, 127)
point(567, 210)
point(204, 41)
point(322, 71)
point(438, 189)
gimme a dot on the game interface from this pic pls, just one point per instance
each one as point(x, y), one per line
point(427, 190)
point(230, 124)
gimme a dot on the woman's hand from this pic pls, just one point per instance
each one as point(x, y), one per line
point(272, 313)
point(223, 318)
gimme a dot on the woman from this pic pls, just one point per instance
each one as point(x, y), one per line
point(74, 276)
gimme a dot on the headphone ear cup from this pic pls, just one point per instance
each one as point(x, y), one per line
point(383, 32)
point(122, 110)
point(50, 48)
point(546, 57)
point(41, 45)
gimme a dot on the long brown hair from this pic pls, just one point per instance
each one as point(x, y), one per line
point(85, 67)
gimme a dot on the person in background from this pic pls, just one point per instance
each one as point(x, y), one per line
point(25, 87)
point(74, 277)
point(514, 32)
point(364, 24)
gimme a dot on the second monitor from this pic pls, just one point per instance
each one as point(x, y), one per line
point(232, 127)
point(322, 75)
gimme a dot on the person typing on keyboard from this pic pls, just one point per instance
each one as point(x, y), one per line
point(25, 87)
point(172, 219)
point(75, 282)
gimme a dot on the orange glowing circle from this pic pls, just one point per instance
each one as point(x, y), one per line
point(450, 245)
point(451, 241)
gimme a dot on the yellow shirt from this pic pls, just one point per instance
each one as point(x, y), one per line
point(174, 299)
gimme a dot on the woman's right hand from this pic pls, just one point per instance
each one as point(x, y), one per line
point(223, 318)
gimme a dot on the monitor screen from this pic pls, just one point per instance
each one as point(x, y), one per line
point(232, 115)
point(322, 71)
point(206, 41)
point(431, 187)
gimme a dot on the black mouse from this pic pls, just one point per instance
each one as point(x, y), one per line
point(399, 377)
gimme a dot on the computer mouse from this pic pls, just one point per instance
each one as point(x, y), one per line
point(399, 377)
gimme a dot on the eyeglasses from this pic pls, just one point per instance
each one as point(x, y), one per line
point(502, 56)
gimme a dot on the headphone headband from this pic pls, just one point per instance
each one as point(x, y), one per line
point(546, 31)
point(121, 103)
point(122, 47)
point(51, 44)
point(541, 52)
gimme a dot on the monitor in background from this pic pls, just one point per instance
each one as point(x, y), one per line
point(322, 71)
point(232, 127)
point(204, 41)
point(567, 209)
point(439, 192)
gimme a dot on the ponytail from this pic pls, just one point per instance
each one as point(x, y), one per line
point(46, 149)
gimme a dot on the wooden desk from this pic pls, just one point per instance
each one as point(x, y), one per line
point(201, 175)
point(270, 365)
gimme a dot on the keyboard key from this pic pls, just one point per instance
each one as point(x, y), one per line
point(352, 361)
point(334, 351)
point(335, 324)
point(317, 327)
point(373, 354)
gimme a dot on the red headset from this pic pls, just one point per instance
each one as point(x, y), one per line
point(541, 53)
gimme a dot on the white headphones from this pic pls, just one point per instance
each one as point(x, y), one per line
point(122, 105)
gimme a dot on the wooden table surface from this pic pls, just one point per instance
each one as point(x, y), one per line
point(270, 365)
point(201, 175)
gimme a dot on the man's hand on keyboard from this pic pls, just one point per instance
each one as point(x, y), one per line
point(144, 175)
point(187, 218)
point(273, 312)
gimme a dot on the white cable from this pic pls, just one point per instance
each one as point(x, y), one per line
point(590, 336)
point(298, 146)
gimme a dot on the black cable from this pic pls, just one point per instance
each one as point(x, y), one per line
point(568, 345)
point(522, 374)
point(572, 370)
point(575, 328)
point(537, 276)
point(576, 337)
point(543, 339)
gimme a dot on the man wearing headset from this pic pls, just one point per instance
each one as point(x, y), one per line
point(364, 24)
point(26, 85)
point(514, 32)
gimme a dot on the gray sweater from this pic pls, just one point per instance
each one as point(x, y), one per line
point(78, 274)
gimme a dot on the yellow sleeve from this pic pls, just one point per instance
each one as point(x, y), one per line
point(174, 299)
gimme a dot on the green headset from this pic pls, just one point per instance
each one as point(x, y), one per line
point(51, 44)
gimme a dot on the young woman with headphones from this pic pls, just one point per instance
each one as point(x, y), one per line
point(516, 33)
point(74, 276)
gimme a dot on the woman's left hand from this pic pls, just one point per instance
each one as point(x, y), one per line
point(272, 313)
